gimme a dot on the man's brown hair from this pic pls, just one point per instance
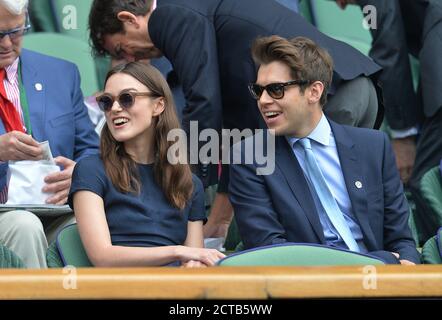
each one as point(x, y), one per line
point(306, 60)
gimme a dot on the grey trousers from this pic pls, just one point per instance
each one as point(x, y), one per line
point(28, 236)
point(355, 104)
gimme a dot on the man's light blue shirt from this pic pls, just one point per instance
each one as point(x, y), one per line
point(326, 154)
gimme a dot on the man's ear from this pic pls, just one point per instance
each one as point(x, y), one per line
point(315, 92)
point(127, 17)
point(159, 107)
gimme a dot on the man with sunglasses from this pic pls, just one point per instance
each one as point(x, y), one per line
point(208, 44)
point(333, 185)
point(40, 99)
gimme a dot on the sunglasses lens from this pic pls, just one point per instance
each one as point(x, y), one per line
point(126, 100)
point(256, 91)
point(105, 102)
point(276, 91)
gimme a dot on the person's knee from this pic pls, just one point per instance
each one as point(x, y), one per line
point(27, 224)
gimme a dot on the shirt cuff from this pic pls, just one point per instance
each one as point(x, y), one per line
point(403, 133)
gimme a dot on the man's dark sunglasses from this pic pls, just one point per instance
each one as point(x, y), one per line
point(275, 90)
point(14, 33)
point(126, 99)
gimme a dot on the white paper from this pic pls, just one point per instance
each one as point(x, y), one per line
point(27, 179)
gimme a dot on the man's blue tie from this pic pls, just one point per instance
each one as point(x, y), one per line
point(326, 197)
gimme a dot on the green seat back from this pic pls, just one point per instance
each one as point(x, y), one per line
point(71, 248)
point(9, 260)
point(359, 45)
point(413, 227)
point(69, 11)
point(432, 249)
point(333, 21)
point(42, 16)
point(73, 16)
point(305, 10)
point(53, 258)
point(345, 25)
point(297, 255)
point(67, 48)
point(431, 190)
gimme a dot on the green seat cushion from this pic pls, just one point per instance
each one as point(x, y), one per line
point(71, 248)
point(53, 258)
point(432, 250)
point(431, 190)
point(298, 255)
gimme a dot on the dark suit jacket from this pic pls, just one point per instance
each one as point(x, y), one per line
point(408, 27)
point(208, 43)
point(279, 208)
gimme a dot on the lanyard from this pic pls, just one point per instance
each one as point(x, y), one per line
point(24, 102)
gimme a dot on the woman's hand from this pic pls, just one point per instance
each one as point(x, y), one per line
point(208, 257)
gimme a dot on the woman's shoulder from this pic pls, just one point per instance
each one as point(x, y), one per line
point(197, 184)
point(91, 163)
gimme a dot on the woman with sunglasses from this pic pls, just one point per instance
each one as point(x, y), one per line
point(133, 207)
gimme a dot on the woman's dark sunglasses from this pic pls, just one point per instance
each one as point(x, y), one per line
point(275, 90)
point(126, 99)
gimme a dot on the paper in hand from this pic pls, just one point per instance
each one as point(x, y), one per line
point(47, 154)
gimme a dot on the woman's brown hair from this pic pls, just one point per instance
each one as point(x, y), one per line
point(175, 180)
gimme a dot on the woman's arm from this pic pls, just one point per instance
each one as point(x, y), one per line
point(194, 234)
point(94, 233)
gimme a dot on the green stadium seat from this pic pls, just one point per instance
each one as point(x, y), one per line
point(413, 227)
point(432, 250)
point(298, 255)
point(42, 16)
point(344, 25)
point(431, 191)
point(73, 16)
point(363, 47)
point(333, 21)
point(70, 49)
point(305, 10)
point(68, 249)
point(66, 11)
point(9, 260)
point(53, 258)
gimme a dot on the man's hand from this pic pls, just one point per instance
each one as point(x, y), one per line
point(403, 261)
point(220, 217)
point(59, 183)
point(16, 145)
point(405, 152)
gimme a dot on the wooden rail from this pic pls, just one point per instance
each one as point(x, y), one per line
point(223, 283)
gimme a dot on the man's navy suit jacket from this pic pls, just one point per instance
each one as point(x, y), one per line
point(209, 45)
point(277, 208)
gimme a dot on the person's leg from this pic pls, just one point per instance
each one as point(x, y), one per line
point(355, 103)
point(22, 232)
point(54, 226)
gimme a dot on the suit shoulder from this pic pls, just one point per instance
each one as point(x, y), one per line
point(42, 60)
point(364, 133)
